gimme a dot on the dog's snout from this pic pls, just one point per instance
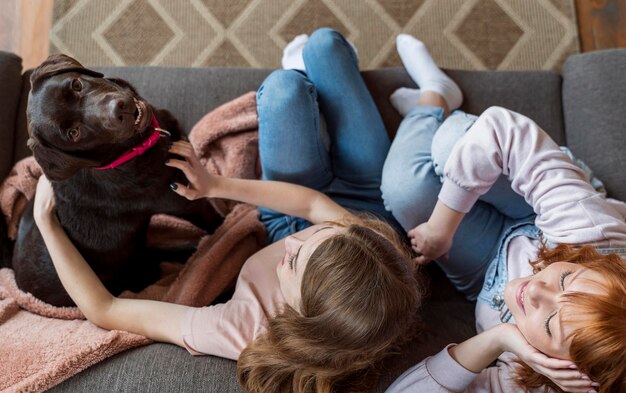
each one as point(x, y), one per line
point(119, 108)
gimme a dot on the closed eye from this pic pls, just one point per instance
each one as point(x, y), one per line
point(290, 261)
point(562, 278)
point(547, 324)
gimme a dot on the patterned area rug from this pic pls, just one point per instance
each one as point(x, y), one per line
point(462, 34)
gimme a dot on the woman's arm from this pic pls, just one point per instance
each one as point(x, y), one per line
point(158, 321)
point(466, 366)
point(502, 142)
point(286, 198)
point(478, 352)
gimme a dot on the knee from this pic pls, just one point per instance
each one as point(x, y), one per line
point(323, 41)
point(495, 112)
point(281, 88)
point(447, 136)
point(409, 194)
point(395, 195)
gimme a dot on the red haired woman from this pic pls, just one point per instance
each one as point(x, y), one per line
point(492, 194)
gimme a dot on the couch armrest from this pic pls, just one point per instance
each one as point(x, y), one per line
point(594, 107)
point(11, 82)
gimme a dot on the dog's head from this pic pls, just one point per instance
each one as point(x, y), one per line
point(79, 119)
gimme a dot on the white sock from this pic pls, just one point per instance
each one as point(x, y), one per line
point(292, 54)
point(425, 72)
point(404, 100)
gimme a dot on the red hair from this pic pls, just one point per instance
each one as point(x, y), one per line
point(598, 345)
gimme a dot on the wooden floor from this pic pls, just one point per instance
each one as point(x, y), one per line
point(24, 26)
point(601, 24)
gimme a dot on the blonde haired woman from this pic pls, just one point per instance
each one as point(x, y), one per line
point(319, 308)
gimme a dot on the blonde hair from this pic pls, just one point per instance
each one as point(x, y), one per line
point(359, 299)
point(598, 345)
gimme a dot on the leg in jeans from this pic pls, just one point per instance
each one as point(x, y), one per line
point(413, 171)
point(291, 146)
point(410, 188)
point(359, 140)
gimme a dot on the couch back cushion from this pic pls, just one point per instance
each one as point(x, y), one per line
point(594, 96)
point(190, 93)
point(536, 94)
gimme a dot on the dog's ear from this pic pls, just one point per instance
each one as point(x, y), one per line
point(58, 64)
point(56, 164)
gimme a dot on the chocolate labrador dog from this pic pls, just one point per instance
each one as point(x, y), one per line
point(103, 147)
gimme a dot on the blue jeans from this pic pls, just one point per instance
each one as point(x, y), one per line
point(344, 158)
point(411, 181)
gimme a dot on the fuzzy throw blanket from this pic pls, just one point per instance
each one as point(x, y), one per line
point(42, 345)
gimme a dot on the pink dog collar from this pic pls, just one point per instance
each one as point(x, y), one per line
point(138, 150)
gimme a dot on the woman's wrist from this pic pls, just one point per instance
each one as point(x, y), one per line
point(503, 335)
point(46, 220)
point(216, 188)
point(478, 352)
point(444, 221)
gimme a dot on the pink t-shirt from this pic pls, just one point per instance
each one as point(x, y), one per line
point(226, 329)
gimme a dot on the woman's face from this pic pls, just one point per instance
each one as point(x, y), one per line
point(536, 302)
point(291, 268)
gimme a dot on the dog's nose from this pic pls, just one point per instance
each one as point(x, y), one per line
point(119, 108)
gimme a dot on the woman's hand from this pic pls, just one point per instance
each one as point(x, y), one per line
point(201, 182)
point(43, 209)
point(433, 239)
point(428, 243)
point(562, 372)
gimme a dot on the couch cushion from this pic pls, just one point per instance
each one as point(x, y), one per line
point(536, 94)
point(156, 368)
point(21, 134)
point(189, 93)
point(11, 82)
point(594, 99)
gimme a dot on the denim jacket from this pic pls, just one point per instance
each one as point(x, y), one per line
point(497, 275)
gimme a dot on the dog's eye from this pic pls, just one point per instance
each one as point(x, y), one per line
point(77, 85)
point(73, 134)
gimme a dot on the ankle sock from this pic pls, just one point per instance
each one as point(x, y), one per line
point(425, 72)
point(292, 54)
point(404, 100)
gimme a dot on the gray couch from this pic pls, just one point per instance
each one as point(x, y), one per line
point(584, 109)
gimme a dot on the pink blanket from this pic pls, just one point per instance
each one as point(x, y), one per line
point(41, 345)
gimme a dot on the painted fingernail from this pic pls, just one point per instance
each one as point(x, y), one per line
point(586, 378)
point(173, 186)
point(572, 366)
point(595, 384)
point(592, 391)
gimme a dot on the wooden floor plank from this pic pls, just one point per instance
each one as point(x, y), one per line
point(601, 24)
point(10, 25)
point(36, 20)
